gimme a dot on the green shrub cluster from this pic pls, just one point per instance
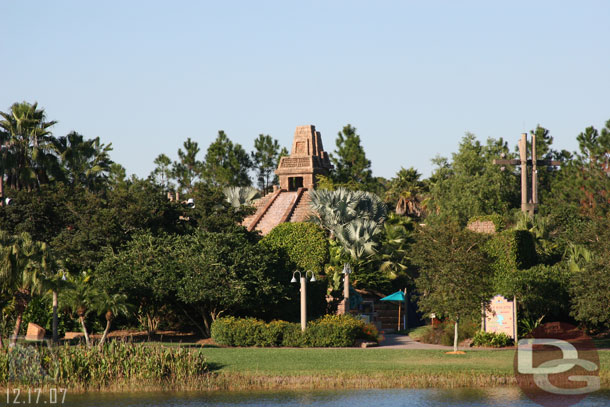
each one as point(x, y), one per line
point(231, 331)
point(492, 339)
point(116, 362)
point(328, 331)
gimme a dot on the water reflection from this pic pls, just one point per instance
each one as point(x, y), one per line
point(496, 397)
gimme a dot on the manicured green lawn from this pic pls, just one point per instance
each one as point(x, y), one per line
point(359, 361)
point(278, 361)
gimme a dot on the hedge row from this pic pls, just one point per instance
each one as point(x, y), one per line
point(328, 331)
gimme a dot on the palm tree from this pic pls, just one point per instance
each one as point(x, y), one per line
point(53, 283)
point(22, 263)
point(357, 236)
point(29, 143)
point(342, 206)
point(81, 298)
point(395, 245)
point(406, 190)
point(85, 162)
point(111, 306)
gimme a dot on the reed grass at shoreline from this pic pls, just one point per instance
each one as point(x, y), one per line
point(253, 369)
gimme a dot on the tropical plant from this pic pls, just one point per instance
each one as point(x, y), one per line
point(405, 192)
point(22, 264)
point(85, 162)
point(28, 152)
point(241, 196)
point(396, 239)
point(342, 206)
point(111, 305)
point(54, 282)
point(81, 298)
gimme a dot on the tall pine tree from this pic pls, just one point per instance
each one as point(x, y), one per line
point(352, 168)
point(265, 158)
point(226, 164)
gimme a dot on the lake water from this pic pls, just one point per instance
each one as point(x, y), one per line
point(497, 397)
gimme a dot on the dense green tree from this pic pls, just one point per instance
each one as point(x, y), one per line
point(265, 158)
point(145, 270)
point(203, 275)
point(454, 274)
point(226, 164)
point(352, 168)
point(582, 186)
point(541, 291)
point(305, 244)
point(471, 184)
point(95, 221)
point(590, 284)
point(228, 272)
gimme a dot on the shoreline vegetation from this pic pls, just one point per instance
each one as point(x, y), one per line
point(146, 367)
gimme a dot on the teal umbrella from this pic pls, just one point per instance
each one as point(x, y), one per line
point(399, 297)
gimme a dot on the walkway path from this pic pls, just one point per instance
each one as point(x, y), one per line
point(406, 342)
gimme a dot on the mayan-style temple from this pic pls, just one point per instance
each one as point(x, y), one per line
point(297, 173)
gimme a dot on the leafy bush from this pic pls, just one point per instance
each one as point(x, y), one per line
point(492, 339)
point(328, 331)
point(338, 331)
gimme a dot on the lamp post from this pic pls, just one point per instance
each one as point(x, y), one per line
point(347, 270)
point(303, 294)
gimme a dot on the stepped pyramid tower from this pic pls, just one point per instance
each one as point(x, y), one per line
point(297, 173)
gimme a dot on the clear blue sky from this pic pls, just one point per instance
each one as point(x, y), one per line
point(412, 76)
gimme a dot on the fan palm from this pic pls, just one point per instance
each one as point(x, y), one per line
point(406, 189)
point(241, 196)
point(85, 162)
point(29, 148)
point(342, 206)
point(357, 237)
